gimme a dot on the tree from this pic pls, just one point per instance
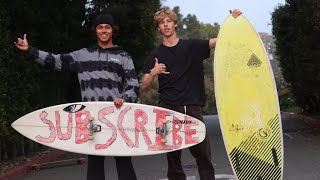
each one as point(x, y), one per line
point(296, 27)
point(4, 52)
point(24, 86)
point(57, 26)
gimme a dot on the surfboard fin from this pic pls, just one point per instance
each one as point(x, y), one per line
point(237, 162)
point(275, 157)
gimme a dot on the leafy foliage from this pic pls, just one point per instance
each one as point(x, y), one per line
point(296, 26)
point(57, 26)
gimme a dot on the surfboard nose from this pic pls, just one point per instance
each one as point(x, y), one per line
point(14, 124)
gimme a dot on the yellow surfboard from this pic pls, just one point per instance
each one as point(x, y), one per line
point(247, 102)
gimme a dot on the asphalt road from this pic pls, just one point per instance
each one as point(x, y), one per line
point(301, 158)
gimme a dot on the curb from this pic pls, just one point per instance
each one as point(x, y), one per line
point(51, 155)
point(313, 122)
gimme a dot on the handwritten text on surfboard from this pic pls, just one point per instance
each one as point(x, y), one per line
point(140, 120)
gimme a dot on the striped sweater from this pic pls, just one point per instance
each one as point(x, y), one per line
point(104, 74)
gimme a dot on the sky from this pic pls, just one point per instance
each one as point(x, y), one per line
point(258, 12)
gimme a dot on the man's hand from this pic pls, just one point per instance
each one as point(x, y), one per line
point(235, 13)
point(149, 77)
point(22, 44)
point(158, 68)
point(118, 102)
point(212, 43)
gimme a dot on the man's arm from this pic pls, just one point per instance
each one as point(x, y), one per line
point(235, 13)
point(212, 43)
point(146, 82)
point(49, 60)
point(130, 82)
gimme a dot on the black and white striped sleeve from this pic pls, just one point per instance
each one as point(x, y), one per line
point(67, 61)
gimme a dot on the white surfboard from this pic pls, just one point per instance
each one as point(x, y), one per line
point(132, 130)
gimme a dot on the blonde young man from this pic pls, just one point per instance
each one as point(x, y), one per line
point(178, 65)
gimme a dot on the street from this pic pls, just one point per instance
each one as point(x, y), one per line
point(301, 159)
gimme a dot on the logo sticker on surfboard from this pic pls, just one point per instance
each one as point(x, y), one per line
point(254, 61)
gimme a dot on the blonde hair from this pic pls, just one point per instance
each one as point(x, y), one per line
point(163, 13)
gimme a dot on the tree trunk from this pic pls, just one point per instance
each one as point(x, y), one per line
point(0, 149)
point(21, 146)
point(24, 146)
point(5, 150)
point(29, 146)
point(12, 150)
point(36, 147)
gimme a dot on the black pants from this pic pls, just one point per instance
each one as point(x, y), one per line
point(201, 152)
point(95, 169)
